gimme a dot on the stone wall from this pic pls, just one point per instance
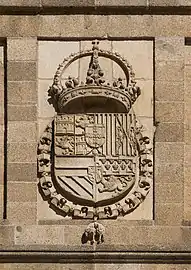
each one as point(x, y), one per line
point(20, 229)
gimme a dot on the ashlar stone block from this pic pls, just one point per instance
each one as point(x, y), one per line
point(21, 49)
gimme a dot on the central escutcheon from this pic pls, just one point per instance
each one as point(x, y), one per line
point(95, 157)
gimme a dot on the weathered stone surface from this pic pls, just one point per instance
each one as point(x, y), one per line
point(25, 172)
point(22, 49)
point(127, 25)
point(187, 155)
point(168, 237)
point(22, 213)
point(187, 55)
point(22, 192)
point(61, 23)
point(187, 115)
point(169, 153)
point(118, 3)
point(22, 131)
point(168, 214)
point(22, 113)
point(169, 111)
point(22, 152)
point(18, 26)
point(6, 235)
point(187, 73)
point(187, 91)
point(65, 3)
point(169, 173)
point(21, 71)
point(169, 3)
point(171, 49)
point(40, 235)
point(21, 3)
point(22, 92)
point(1, 200)
point(169, 132)
point(168, 26)
point(169, 91)
point(169, 71)
point(169, 193)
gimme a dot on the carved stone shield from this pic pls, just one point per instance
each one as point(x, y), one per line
point(94, 158)
point(95, 135)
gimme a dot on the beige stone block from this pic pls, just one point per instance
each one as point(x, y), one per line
point(20, 3)
point(186, 236)
point(19, 26)
point(22, 131)
point(169, 173)
point(136, 52)
point(187, 113)
point(22, 213)
point(1, 170)
point(82, 266)
point(22, 152)
point(169, 112)
point(40, 235)
point(24, 172)
point(169, 193)
point(6, 236)
point(138, 235)
point(187, 154)
point(22, 49)
point(45, 110)
point(96, 25)
point(187, 195)
point(118, 3)
point(63, 49)
point(169, 153)
point(187, 213)
point(22, 92)
point(173, 267)
point(166, 237)
point(187, 73)
point(187, 133)
point(114, 236)
point(32, 266)
point(119, 267)
point(22, 113)
point(65, 3)
point(172, 3)
point(73, 234)
point(187, 55)
point(187, 91)
point(130, 25)
point(167, 214)
point(1, 200)
point(169, 25)
point(169, 132)
point(64, 25)
point(169, 48)
point(21, 71)
point(169, 91)
point(169, 71)
point(22, 192)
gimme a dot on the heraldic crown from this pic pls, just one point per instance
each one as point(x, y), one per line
point(95, 84)
point(94, 164)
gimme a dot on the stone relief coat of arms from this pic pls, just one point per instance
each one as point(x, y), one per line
point(95, 158)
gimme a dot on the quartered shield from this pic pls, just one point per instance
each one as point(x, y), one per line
point(95, 157)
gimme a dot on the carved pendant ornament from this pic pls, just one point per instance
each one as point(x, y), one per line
point(94, 164)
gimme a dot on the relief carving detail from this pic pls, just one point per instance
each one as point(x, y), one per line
point(96, 165)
